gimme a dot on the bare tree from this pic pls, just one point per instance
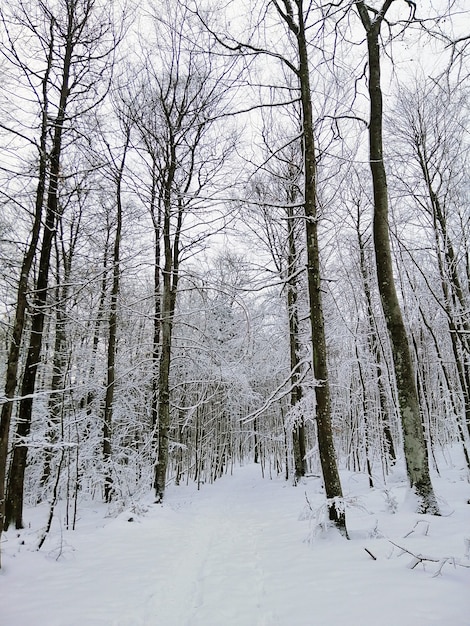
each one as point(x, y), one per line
point(279, 229)
point(180, 98)
point(116, 167)
point(433, 136)
point(294, 59)
point(414, 442)
point(76, 39)
point(294, 17)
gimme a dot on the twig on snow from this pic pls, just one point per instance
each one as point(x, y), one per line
point(370, 554)
point(424, 529)
point(421, 558)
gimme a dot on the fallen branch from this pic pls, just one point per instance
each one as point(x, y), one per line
point(424, 527)
point(421, 558)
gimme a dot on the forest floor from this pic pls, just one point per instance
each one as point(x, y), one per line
point(247, 551)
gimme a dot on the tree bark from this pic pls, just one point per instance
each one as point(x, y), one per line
point(14, 501)
point(326, 447)
point(416, 456)
point(298, 434)
point(112, 328)
point(22, 291)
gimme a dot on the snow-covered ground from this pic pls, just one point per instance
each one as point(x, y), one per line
point(243, 552)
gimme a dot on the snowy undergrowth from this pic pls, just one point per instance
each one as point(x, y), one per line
point(247, 552)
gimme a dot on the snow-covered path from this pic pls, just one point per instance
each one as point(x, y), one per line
point(233, 554)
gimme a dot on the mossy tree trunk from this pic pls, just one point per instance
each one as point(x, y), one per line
point(416, 455)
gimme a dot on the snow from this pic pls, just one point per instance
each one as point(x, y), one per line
point(245, 551)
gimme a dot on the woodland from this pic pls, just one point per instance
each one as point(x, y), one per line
point(231, 233)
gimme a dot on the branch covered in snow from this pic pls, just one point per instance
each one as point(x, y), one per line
point(421, 558)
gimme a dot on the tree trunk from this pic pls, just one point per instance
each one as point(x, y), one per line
point(326, 447)
point(374, 348)
point(414, 443)
point(112, 332)
point(21, 299)
point(170, 285)
point(59, 366)
point(298, 434)
point(14, 503)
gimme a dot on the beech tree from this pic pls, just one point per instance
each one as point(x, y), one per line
point(416, 455)
point(294, 17)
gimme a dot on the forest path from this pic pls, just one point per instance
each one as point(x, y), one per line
point(234, 554)
point(227, 568)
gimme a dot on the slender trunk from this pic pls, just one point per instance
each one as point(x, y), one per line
point(298, 434)
point(156, 214)
point(164, 389)
point(88, 399)
point(414, 443)
point(256, 441)
point(59, 370)
point(21, 298)
point(365, 416)
point(170, 287)
point(326, 447)
point(374, 349)
point(14, 503)
point(112, 333)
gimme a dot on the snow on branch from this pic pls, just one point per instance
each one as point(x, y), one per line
point(421, 558)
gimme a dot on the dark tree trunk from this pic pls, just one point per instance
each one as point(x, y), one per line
point(112, 331)
point(170, 285)
point(14, 502)
point(326, 447)
point(156, 214)
point(298, 434)
point(21, 299)
point(374, 347)
point(59, 367)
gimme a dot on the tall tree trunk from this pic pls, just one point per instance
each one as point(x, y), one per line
point(156, 215)
point(14, 502)
point(112, 330)
point(326, 447)
point(414, 442)
point(59, 365)
point(98, 322)
point(298, 434)
point(374, 347)
point(21, 298)
point(170, 286)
